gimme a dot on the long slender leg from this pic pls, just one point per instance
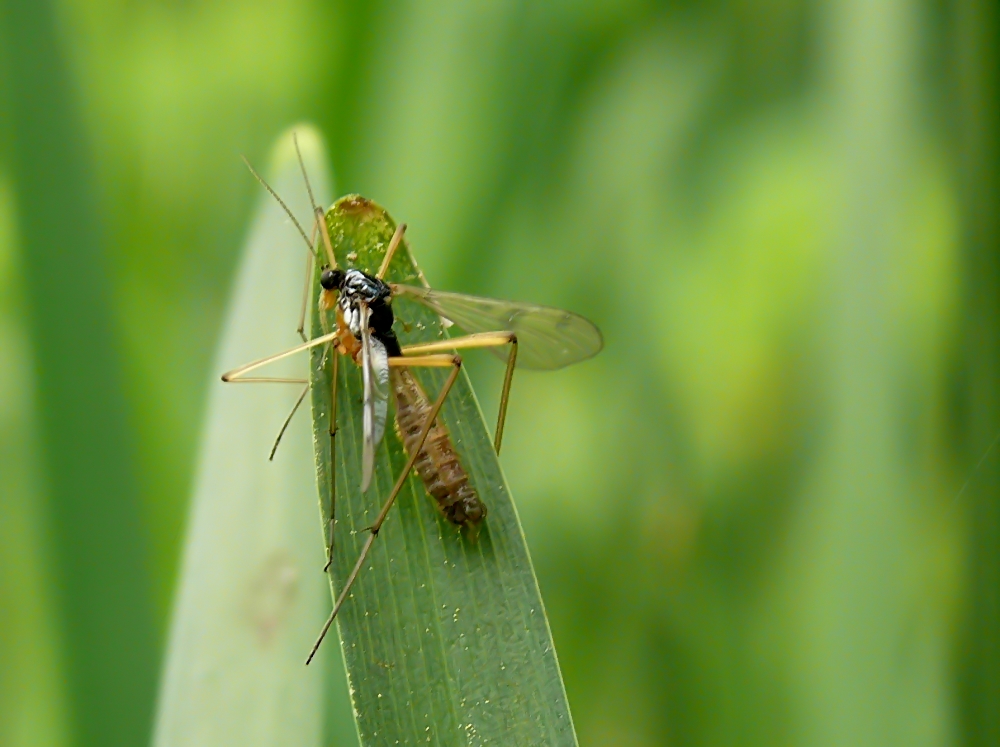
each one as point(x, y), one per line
point(426, 361)
point(236, 376)
point(295, 407)
point(480, 340)
point(431, 361)
point(508, 377)
point(310, 258)
point(233, 377)
point(265, 380)
point(301, 329)
point(397, 236)
point(332, 262)
point(239, 374)
point(291, 414)
point(334, 376)
point(325, 233)
point(288, 420)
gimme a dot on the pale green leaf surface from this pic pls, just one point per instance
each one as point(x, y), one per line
point(446, 640)
point(251, 593)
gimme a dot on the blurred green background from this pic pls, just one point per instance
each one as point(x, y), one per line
point(756, 518)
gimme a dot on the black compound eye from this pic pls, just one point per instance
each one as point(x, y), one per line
point(331, 279)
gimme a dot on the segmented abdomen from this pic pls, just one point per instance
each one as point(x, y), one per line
point(437, 463)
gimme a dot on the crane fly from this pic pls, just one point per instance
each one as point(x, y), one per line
point(357, 321)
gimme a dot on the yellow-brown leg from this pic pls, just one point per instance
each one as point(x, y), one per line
point(307, 284)
point(331, 260)
point(301, 329)
point(319, 221)
point(276, 380)
point(479, 340)
point(438, 361)
point(238, 375)
point(288, 420)
point(334, 377)
point(397, 237)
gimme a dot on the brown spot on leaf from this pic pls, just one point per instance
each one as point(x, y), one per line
point(355, 204)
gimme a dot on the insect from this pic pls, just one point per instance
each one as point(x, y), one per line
point(358, 322)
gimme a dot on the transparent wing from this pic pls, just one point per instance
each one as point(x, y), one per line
point(547, 338)
point(375, 375)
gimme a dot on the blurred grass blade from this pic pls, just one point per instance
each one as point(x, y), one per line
point(446, 641)
point(33, 703)
point(251, 592)
point(978, 84)
point(97, 537)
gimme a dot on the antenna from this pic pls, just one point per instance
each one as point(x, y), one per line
point(305, 175)
point(281, 202)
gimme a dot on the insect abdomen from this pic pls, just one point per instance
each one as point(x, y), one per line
point(437, 462)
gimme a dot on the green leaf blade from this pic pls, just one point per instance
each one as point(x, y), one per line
point(445, 639)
